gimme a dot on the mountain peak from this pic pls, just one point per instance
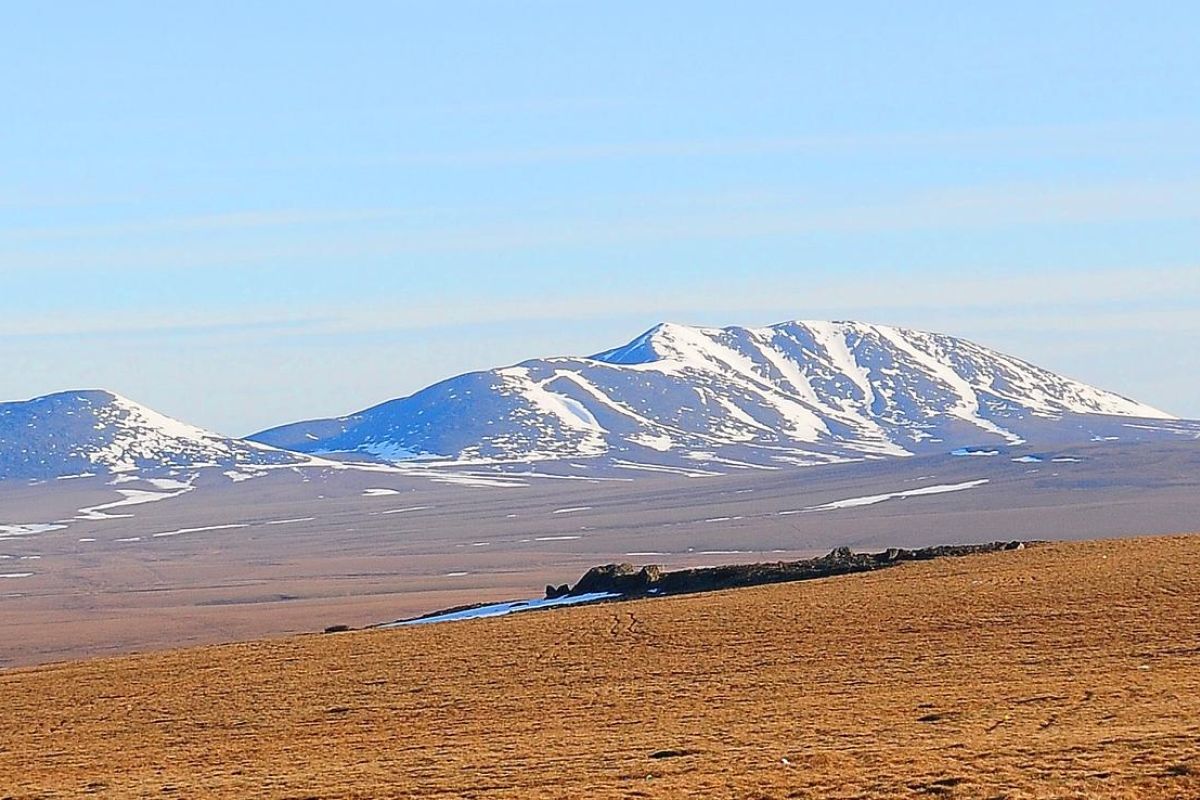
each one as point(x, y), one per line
point(799, 392)
point(78, 395)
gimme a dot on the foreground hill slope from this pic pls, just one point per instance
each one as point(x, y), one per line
point(793, 393)
point(1066, 670)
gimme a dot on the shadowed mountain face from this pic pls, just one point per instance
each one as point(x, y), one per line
point(98, 432)
point(796, 393)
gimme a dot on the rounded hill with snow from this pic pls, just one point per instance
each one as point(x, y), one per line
point(793, 393)
point(98, 432)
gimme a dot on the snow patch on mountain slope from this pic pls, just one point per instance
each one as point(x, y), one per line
point(94, 431)
point(793, 393)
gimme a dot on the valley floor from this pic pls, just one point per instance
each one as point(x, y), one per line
point(1066, 670)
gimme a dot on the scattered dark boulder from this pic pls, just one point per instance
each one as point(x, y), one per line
point(553, 592)
point(618, 579)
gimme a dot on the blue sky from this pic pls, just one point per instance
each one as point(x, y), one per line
point(246, 214)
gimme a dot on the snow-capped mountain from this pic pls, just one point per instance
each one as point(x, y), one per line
point(86, 432)
point(797, 392)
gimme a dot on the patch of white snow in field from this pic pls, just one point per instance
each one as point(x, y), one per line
point(1028, 460)
point(379, 492)
point(11, 531)
point(482, 481)
point(288, 521)
point(972, 451)
point(556, 538)
point(132, 497)
point(181, 531)
point(455, 574)
point(16, 574)
point(741, 464)
point(406, 510)
point(503, 609)
point(687, 472)
point(870, 500)
point(571, 510)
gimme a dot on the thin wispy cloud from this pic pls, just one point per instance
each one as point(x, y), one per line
point(207, 223)
point(982, 207)
point(1073, 300)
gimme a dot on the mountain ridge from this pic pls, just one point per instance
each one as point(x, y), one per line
point(813, 391)
point(676, 398)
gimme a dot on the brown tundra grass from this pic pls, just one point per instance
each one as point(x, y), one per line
point(1060, 671)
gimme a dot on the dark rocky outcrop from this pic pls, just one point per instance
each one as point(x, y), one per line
point(632, 581)
point(619, 578)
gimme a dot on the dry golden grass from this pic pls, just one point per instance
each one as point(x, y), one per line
point(1067, 671)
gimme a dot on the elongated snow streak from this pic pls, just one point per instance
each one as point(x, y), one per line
point(503, 609)
point(7, 531)
point(132, 497)
point(871, 500)
point(181, 531)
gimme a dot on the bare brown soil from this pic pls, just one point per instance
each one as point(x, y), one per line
point(1060, 671)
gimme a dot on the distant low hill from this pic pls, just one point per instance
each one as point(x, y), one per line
point(96, 431)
